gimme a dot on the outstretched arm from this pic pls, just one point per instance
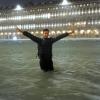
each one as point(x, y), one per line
point(61, 36)
point(29, 35)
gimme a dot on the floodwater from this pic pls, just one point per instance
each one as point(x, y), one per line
point(76, 76)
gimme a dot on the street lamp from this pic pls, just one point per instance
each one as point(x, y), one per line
point(65, 2)
point(18, 7)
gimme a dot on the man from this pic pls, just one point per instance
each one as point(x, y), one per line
point(44, 47)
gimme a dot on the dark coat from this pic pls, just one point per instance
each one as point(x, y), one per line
point(45, 44)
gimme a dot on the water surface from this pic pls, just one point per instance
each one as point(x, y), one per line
point(77, 75)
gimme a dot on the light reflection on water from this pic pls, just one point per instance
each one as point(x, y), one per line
point(76, 76)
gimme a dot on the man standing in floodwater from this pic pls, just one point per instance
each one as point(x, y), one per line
point(45, 47)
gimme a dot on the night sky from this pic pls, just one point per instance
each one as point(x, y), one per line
point(14, 2)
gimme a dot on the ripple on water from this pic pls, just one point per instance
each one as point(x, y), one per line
point(76, 75)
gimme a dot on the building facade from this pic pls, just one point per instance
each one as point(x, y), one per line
point(85, 18)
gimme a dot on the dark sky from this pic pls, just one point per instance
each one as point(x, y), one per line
point(14, 2)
